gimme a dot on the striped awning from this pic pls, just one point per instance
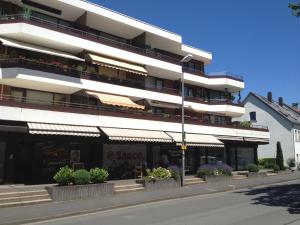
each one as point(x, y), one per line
point(200, 140)
point(122, 134)
point(116, 100)
point(116, 64)
point(62, 129)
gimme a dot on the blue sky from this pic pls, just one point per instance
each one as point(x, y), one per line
point(258, 39)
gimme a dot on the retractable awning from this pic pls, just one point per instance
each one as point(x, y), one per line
point(261, 140)
point(122, 134)
point(62, 129)
point(35, 48)
point(230, 138)
point(116, 64)
point(162, 104)
point(200, 140)
point(115, 100)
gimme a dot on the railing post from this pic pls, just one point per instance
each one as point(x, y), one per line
point(1, 92)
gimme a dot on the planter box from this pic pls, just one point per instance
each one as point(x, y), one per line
point(256, 175)
point(220, 178)
point(63, 193)
point(159, 184)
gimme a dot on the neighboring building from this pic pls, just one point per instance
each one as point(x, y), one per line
point(283, 122)
point(85, 86)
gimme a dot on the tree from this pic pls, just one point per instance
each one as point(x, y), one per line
point(279, 156)
point(296, 8)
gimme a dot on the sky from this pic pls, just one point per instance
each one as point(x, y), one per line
point(257, 39)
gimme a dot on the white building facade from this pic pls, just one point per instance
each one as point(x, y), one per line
point(85, 86)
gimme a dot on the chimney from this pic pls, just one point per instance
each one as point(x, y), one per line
point(280, 101)
point(270, 96)
point(295, 105)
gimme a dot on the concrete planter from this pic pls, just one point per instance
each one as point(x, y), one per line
point(256, 175)
point(220, 178)
point(159, 184)
point(63, 193)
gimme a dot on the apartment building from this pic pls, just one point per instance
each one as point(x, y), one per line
point(85, 86)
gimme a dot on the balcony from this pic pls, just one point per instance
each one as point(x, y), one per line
point(214, 101)
point(71, 107)
point(21, 18)
point(214, 75)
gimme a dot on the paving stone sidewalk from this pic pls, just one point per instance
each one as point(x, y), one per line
point(32, 213)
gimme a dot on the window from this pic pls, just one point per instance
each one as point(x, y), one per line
point(39, 97)
point(157, 110)
point(297, 135)
point(17, 95)
point(252, 116)
point(188, 92)
point(1, 10)
point(159, 84)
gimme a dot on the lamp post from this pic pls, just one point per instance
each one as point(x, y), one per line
point(185, 59)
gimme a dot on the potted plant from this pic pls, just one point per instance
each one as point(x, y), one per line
point(291, 164)
point(215, 172)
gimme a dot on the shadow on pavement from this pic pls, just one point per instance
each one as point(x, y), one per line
point(278, 196)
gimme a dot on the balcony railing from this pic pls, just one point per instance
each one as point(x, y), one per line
point(66, 70)
point(86, 35)
point(62, 106)
point(214, 75)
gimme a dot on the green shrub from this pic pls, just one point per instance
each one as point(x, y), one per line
point(252, 168)
point(291, 162)
point(81, 177)
point(98, 175)
point(279, 156)
point(158, 174)
point(246, 124)
point(175, 175)
point(267, 163)
point(276, 168)
point(64, 176)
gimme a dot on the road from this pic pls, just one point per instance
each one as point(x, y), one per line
point(276, 204)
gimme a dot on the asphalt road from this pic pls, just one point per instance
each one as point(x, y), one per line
point(275, 204)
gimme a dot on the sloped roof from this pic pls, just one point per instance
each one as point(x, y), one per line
point(285, 111)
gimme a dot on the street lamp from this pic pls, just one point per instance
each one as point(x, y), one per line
point(185, 59)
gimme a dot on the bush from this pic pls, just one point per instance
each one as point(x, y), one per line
point(214, 170)
point(246, 124)
point(81, 177)
point(64, 176)
point(279, 156)
point(98, 175)
point(276, 168)
point(252, 168)
point(267, 163)
point(175, 175)
point(158, 174)
point(291, 162)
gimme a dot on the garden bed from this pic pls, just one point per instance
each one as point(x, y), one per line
point(159, 184)
point(62, 193)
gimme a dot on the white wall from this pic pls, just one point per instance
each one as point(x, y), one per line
point(46, 116)
point(280, 129)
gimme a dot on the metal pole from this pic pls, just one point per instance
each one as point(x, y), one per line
point(182, 131)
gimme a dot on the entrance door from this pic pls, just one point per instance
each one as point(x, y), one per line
point(2, 161)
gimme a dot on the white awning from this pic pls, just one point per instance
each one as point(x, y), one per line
point(35, 48)
point(119, 65)
point(196, 140)
point(115, 100)
point(230, 138)
point(62, 129)
point(122, 134)
point(260, 140)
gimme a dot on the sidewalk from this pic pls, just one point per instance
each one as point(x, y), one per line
point(32, 213)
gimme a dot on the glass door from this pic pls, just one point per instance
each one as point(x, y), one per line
point(2, 161)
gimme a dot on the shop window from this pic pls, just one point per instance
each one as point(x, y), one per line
point(252, 116)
